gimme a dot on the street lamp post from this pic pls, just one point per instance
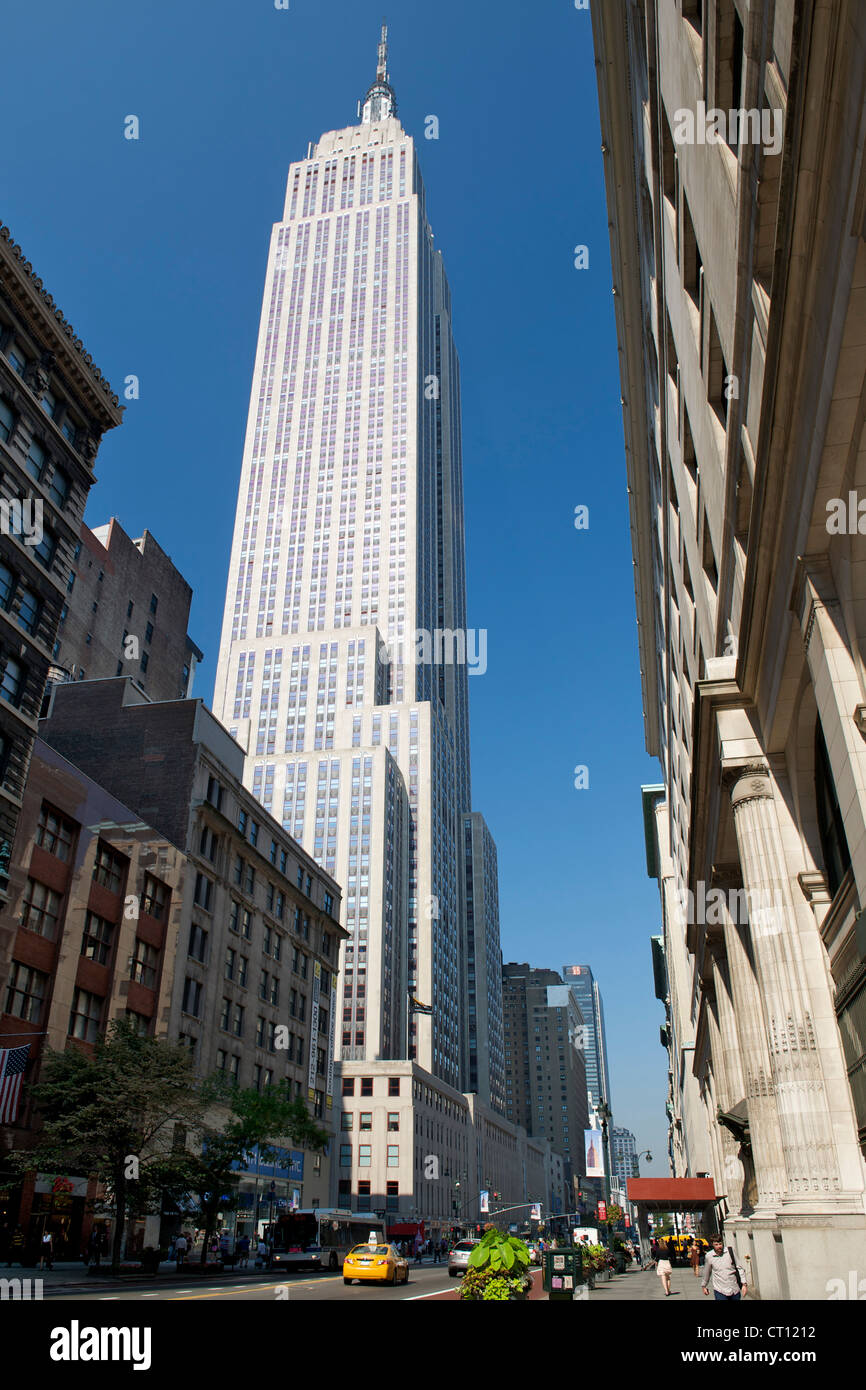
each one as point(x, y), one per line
point(605, 1115)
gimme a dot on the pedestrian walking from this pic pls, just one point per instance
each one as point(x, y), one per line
point(46, 1250)
point(664, 1267)
point(242, 1250)
point(94, 1247)
point(261, 1254)
point(728, 1277)
point(181, 1245)
point(695, 1258)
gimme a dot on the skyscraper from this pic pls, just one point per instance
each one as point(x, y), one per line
point(585, 989)
point(342, 668)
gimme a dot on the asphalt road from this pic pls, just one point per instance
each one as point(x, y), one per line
point(424, 1281)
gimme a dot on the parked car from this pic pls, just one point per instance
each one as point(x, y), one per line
point(458, 1259)
point(382, 1264)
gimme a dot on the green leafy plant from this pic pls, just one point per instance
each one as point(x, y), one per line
point(497, 1270)
point(496, 1252)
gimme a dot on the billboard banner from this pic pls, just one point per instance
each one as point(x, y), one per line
point(594, 1154)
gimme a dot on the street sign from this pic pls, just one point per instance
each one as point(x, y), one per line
point(602, 1211)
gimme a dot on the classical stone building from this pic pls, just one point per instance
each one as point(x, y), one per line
point(422, 1153)
point(733, 146)
point(126, 614)
point(54, 409)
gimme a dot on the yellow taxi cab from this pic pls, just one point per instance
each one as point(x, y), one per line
point(381, 1263)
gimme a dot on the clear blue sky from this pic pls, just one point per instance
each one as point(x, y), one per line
point(156, 251)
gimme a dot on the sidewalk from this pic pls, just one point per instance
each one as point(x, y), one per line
point(646, 1287)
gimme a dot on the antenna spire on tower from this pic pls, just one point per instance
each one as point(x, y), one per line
point(382, 66)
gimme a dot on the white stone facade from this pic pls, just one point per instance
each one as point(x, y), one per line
point(740, 280)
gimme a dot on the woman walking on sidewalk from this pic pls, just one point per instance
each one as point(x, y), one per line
point(663, 1268)
point(695, 1258)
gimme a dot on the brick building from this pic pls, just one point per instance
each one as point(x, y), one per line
point(96, 900)
point(126, 614)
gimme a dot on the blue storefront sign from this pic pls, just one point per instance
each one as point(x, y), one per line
point(287, 1164)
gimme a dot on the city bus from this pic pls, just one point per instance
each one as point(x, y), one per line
point(320, 1238)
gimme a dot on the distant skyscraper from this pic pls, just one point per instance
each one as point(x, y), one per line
point(545, 1078)
point(486, 1073)
point(348, 544)
point(586, 992)
point(623, 1154)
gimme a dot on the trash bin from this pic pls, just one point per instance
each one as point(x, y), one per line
point(563, 1274)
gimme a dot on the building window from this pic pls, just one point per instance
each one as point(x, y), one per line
point(154, 897)
point(85, 1017)
point(197, 949)
point(7, 421)
point(329, 904)
point(318, 1105)
point(345, 1155)
point(154, 601)
point(12, 683)
point(242, 970)
point(366, 1085)
point(392, 1196)
point(214, 793)
point(28, 609)
point(97, 939)
point(365, 1120)
point(393, 1156)
point(365, 1155)
point(139, 1022)
point(145, 962)
point(192, 997)
point(348, 1085)
point(363, 1196)
point(148, 633)
point(831, 827)
point(203, 894)
point(59, 489)
point(393, 1085)
point(40, 909)
point(144, 660)
point(109, 869)
point(393, 1120)
point(346, 1120)
point(230, 962)
point(26, 993)
point(35, 459)
point(46, 548)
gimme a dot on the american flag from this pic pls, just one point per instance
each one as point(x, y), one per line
point(13, 1060)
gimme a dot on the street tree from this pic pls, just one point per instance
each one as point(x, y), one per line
point(111, 1114)
point(240, 1121)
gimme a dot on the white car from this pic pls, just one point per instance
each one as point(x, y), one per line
point(458, 1259)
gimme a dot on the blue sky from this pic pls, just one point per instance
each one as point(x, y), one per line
point(155, 250)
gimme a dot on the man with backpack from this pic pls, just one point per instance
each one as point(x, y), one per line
point(729, 1277)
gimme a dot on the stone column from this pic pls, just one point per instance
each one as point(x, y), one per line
point(730, 1086)
point(749, 1059)
point(807, 1165)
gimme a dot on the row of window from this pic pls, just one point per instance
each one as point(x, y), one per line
point(365, 1156)
point(54, 408)
point(365, 1120)
point(366, 1088)
point(364, 1199)
point(27, 992)
point(278, 854)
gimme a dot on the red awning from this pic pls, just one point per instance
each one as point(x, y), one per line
point(672, 1194)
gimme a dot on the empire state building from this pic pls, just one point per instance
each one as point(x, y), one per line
point(343, 659)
